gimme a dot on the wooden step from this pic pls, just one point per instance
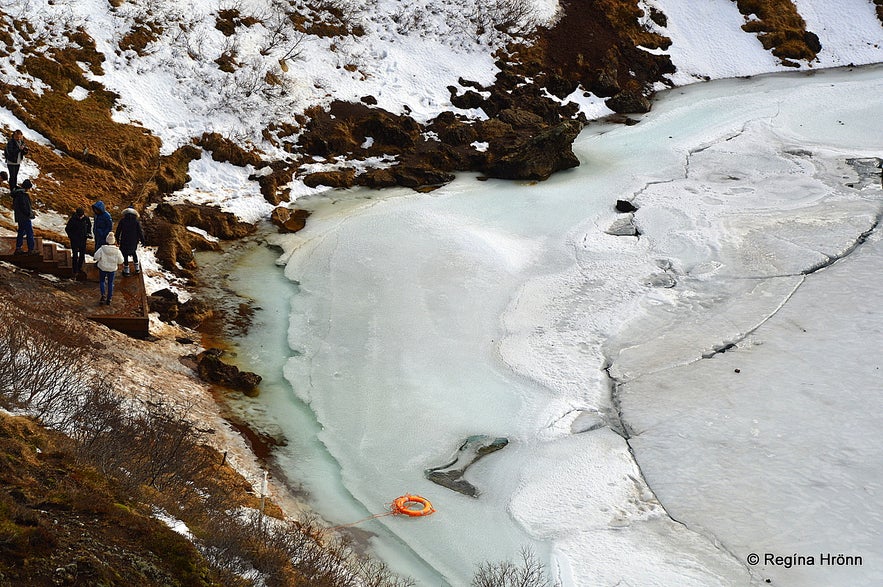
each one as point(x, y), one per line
point(66, 260)
point(48, 250)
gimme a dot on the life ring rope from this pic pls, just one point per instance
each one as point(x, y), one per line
point(407, 505)
point(412, 505)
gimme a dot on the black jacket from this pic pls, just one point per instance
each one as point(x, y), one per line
point(129, 233)
point(78, 229)
point(21, 205)
point(14, 152)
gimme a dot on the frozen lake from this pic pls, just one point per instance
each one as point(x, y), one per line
point(681, 388)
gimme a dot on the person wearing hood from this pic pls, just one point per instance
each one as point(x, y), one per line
point(21, 206)
point(129, 234)
point(108, 258)
point(78, 229)
point(14, 153)
point(102, 224)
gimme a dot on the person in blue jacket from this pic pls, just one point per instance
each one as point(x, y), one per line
point(102, 225)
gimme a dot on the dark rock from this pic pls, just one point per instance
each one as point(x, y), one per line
point(454, 131)
point(289, 219)
point(472, 449)
point(191, 313)
point(606, 84)
point(174, 245)
point(370, 100)
point(344, 126)
point(628, 102)
point(213, 220)
point(812, 41)
point(560, 87)
point(468, 99)
point(212, 369)
point(518, 118)
point(539, 156)
point(337, 178)
point(224, 149)
point(377, 178)
point(469, 84)
point(625, 206)
point(420, 176)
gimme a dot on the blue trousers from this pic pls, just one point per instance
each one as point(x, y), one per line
point(25, 229)
point(108, 277)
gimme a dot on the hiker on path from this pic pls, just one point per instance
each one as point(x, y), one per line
point(129, 234)
point(107, 258)
point(102, 225)
point(21, 206)
point(14, 153)
point(78, 229)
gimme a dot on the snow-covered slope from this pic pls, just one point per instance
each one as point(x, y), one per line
point(169, 75)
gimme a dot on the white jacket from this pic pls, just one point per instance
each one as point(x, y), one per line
point(108, 257)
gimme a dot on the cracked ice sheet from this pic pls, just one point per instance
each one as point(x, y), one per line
point(776, 457)
point(611, 514)
point(758, 203)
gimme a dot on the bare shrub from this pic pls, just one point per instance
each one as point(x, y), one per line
point(530, 573)
point(40, 373)
point(513, 17)
point(290, 553)
point(283, 40)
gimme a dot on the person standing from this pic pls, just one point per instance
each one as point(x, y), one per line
point(21, 206)
point(107, 258)
point(15, 152)
point(102, 224)
point(129, 234)
point(78, 229)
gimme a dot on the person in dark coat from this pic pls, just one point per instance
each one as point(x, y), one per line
point(129, 234)
point(21, 206)
point(14, 153)
point(78, 229)
point(102, 225)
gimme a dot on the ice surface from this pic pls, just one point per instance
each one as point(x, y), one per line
point(507, 309)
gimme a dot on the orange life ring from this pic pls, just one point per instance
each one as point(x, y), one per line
point(405, 505)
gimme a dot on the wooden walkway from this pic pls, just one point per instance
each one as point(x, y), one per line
point(128, 311)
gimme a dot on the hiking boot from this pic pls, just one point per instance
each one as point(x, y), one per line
point(108, 301)
point(18, 252)
point(126, 271)
point(137, 268)
point(103, 300)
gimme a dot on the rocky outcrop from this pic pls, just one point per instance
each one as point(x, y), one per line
point(191, 313)
point(212, 369)
point(538, 156)
point(338, 178)
point(166, 227)
point(289, 219)
point(213, 220)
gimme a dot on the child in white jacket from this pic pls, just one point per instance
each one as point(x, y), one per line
point(108, 259)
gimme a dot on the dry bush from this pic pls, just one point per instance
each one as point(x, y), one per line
point(290, 554)
point(513, 17)
point(530, 573)
point(40, 374)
